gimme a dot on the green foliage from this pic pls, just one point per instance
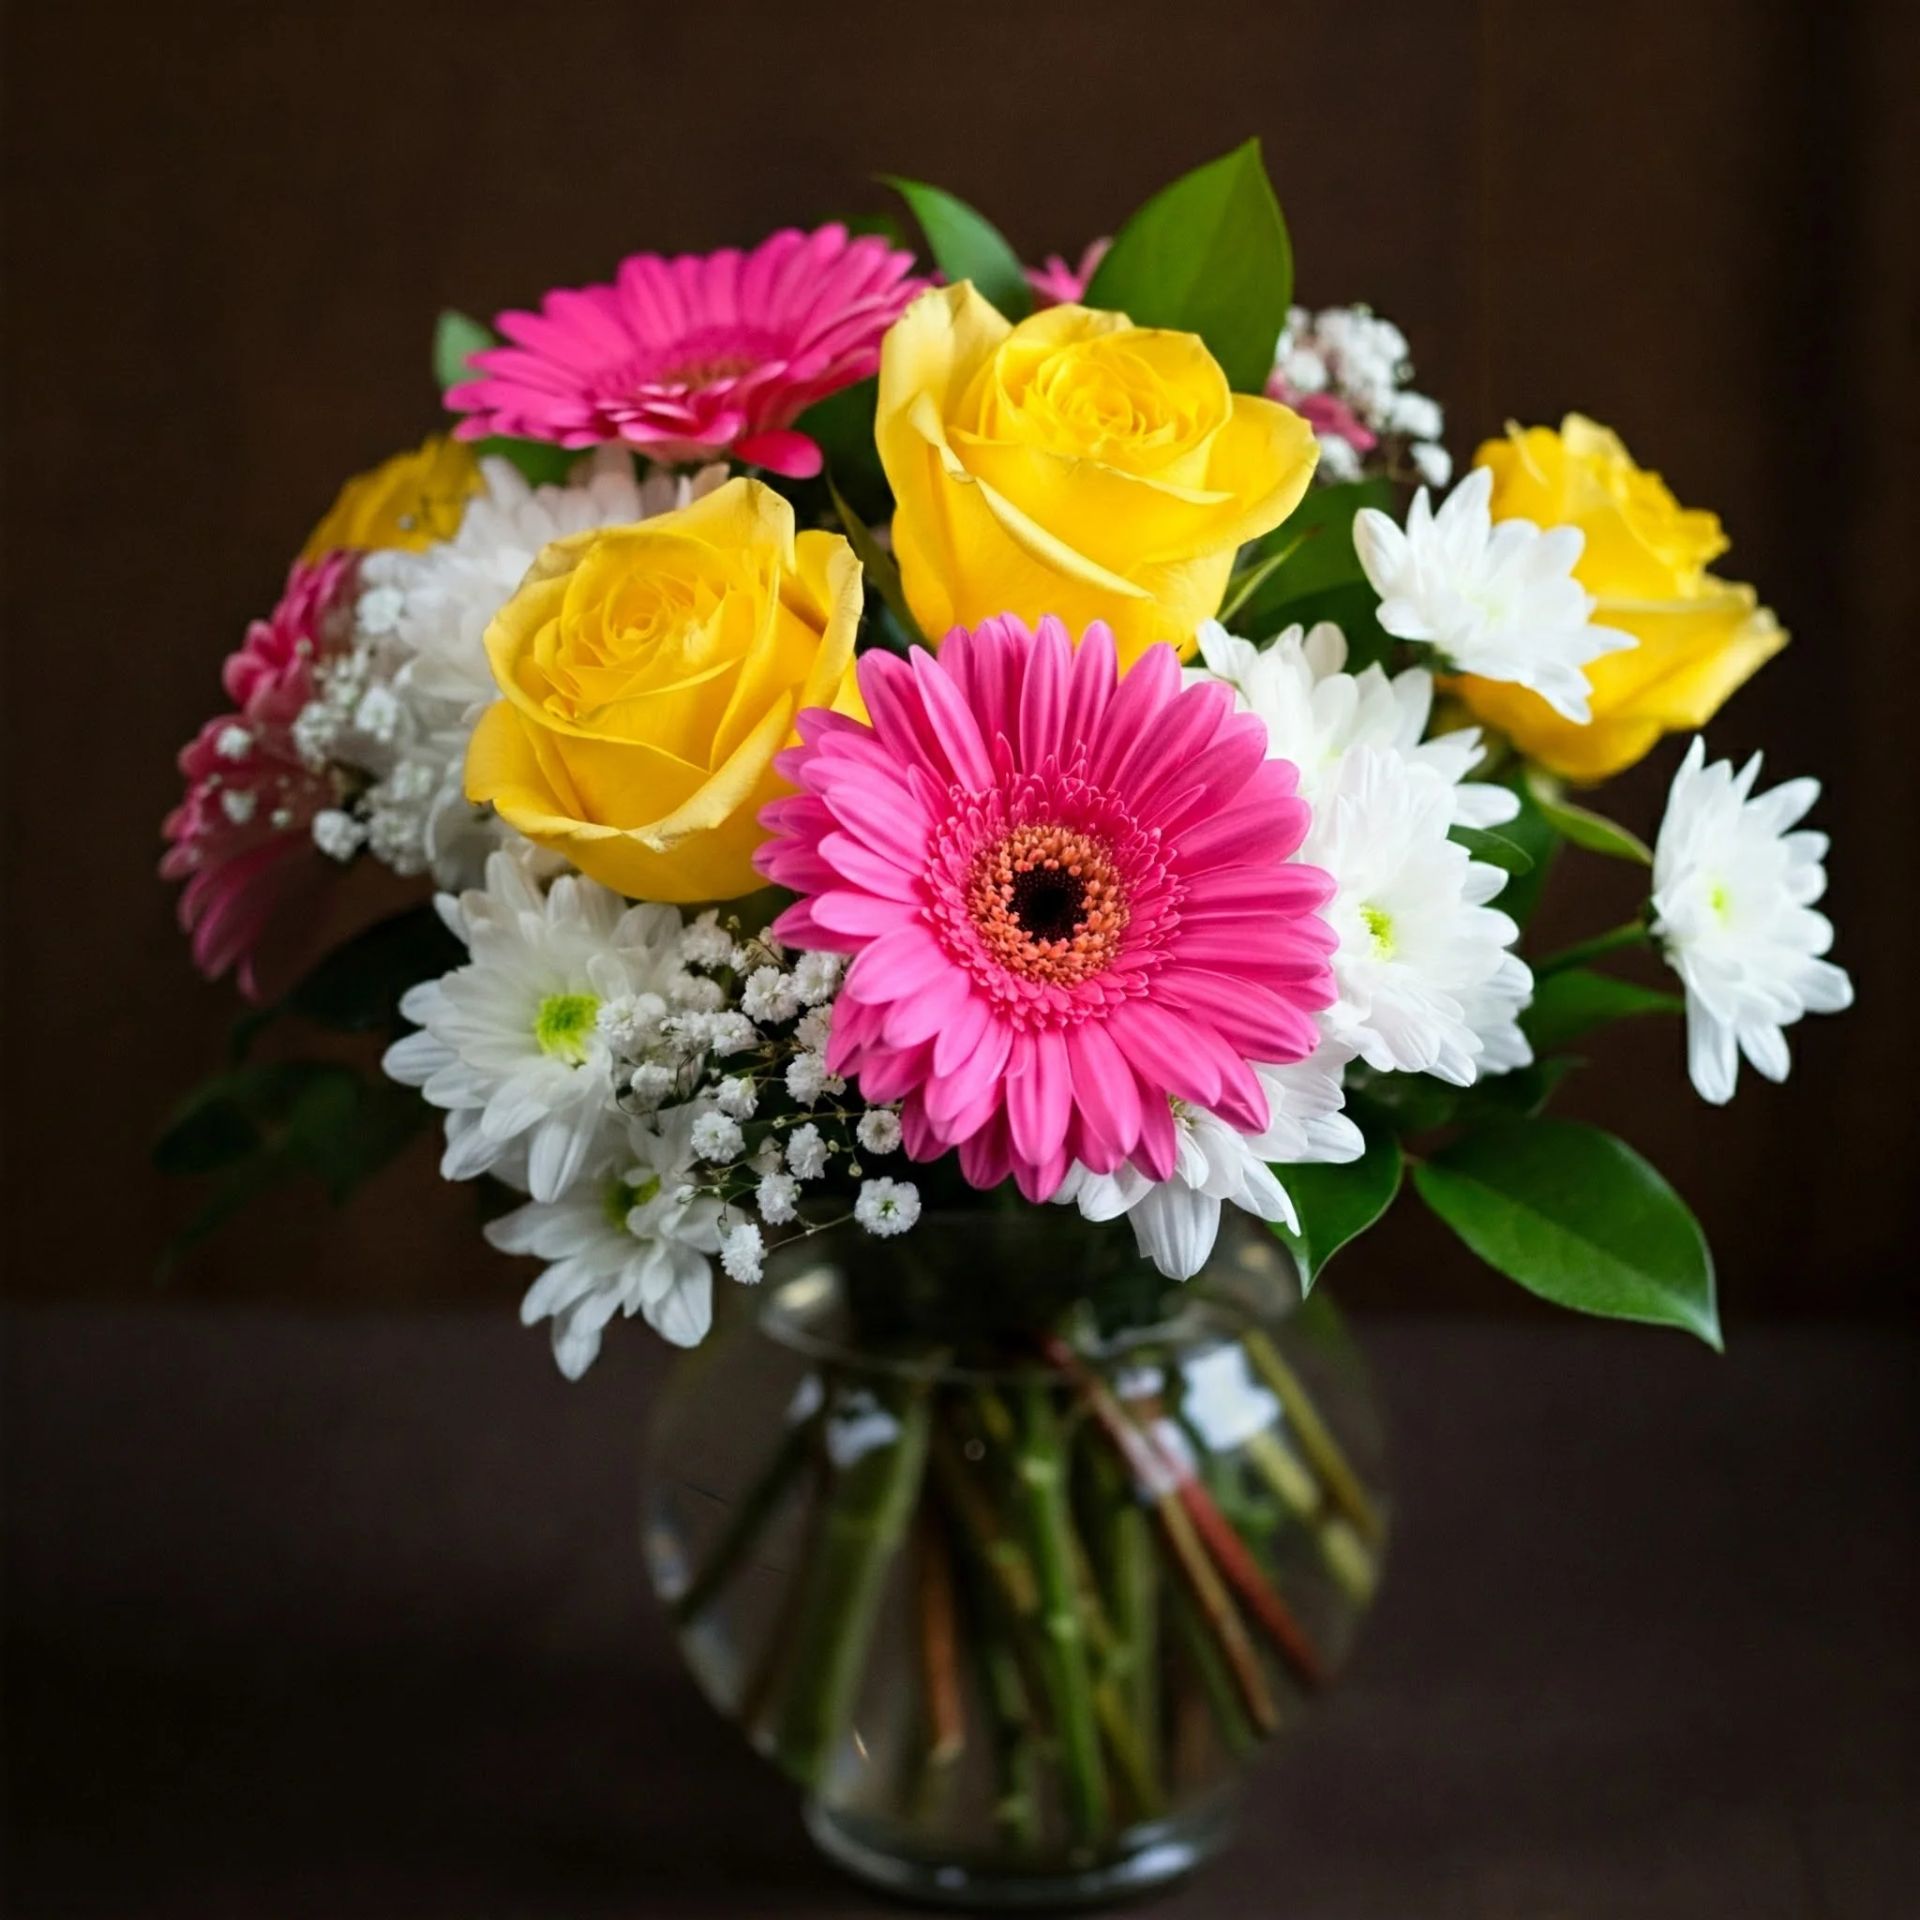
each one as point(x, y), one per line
point(260, 1126)
point(842, 425)
point(881, 572)
point(357, 987)
point(1336, 1204)
point(1573, 1002)
point(457, 337)
point(1494, 849)
point(1533, 834)
point(1583, 827)
point(1315, 545)
point(1208, 255)
point(967, 246)
point(1578, 1218)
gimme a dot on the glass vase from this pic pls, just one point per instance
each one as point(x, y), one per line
point(1012, 1556)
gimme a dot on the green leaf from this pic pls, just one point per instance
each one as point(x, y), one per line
point(541, 464)
point(1411, 1102)
point(1317, 540)
point(457, 337)
point(1571, 1003)
point(1495, 849)
point(1523, 1090)
point(1336, 1204)
point(967, 246)
point(1529, 831)
point(1578, 1218)
point(1583, 827)
point(1208, 255)
point(232, 1115)
point(357, 987)
point(878, 567)
point(842, 426)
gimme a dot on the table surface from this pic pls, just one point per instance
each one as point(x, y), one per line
point(344, 1616)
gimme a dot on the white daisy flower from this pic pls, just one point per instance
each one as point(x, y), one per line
point(1316, 713)
point(1733, 903)
point(630, 1241)
point(1175, 1221)
point(1418, 939)
point(1500, 601)
point(510, 1044)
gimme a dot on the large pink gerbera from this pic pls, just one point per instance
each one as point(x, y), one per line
point(248, 812)
point(1068, 895)
point(699, 355)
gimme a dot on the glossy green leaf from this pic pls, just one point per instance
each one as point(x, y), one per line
point(1529, 831)
point(1494, 849)
point(457, 337)
point(842, 426)
point(967, 246)
point(1208, 255)
point(1316, 539)
point(1578, 1218)
point(1336, 1204)
point(878, 568)
point(1574, 1002)
point(1583, 827)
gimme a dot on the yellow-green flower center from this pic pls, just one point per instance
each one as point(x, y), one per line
point(1379, 925)
point(562, 1024)
point(1721, 902)
point(623, 1197)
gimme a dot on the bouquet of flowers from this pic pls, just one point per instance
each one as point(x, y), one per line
point(883, 736)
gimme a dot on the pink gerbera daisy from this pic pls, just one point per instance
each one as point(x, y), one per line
point(1069, 897)
point(1059, 284)
point(250, 802)
point(698, 355)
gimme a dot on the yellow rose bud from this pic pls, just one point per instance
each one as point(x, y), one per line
point(1075, 464)
point(651, 673)
point(1645, 562)
point(410, 501)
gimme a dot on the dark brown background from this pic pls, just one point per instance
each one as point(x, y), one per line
point(229, 229)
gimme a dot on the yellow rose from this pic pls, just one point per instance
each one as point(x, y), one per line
point(410, 501)
point(1075, 464)
point(651, 673)
point(1645, 562)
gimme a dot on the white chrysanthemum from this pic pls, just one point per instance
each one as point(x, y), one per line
point(1418, 941)
point(1175, 1221)
point(510, 1044)
point(1733, 901)
point(1315, 713)
point(630, 1241)
point(1497, 600)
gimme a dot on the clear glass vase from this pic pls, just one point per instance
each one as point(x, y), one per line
point(1011, 1556)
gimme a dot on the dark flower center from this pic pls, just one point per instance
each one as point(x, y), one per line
point(1048, 902)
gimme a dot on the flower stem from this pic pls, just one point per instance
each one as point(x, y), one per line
point(1191, 1628)
point(1159, 1473)
point(1316, 1439)
point(751, 1513)
point(939, 1662)
point(865, 1519)
point(1041, 1467)
point(1634, 933)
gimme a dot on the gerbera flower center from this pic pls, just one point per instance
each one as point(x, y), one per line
point(1049, 903)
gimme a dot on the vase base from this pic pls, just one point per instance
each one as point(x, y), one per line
point(1150, 1856)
